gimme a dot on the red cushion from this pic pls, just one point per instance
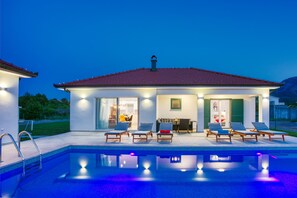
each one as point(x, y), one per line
point(164, 131)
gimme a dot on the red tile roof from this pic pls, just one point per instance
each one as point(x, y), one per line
point(167, 77)
point(8, 67)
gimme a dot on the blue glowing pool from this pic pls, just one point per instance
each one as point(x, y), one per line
point(101, 173)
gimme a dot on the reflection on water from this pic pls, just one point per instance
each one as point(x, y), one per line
point(73, 168)
point(133, 167)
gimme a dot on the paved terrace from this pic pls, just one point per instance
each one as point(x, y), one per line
point(96, 140)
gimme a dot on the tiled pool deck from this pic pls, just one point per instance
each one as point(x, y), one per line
point(192, 141)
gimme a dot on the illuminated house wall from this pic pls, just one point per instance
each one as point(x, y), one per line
point(154, 103)
point(9, 96)
point(188, 104)
point(83, 105)
point(9, 104)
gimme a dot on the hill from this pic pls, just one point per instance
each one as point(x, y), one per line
point(288, 92)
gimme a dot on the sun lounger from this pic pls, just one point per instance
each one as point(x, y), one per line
point(264, 130)
point(216, 129)
point(144, 130)
point(237, 128)
point(165, 132)
point(116, 134)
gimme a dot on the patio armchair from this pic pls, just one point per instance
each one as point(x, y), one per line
point(262, 129)
point(237, 128)
point(144, 130)
point(120, 129)
point(129, 120)
point(184, 125)
point(165, 131)
point(217, 130)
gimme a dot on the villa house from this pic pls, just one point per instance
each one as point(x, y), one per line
point(149, 94)
point(9, 96)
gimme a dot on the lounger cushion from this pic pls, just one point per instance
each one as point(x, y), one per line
point(214, 126)
point(223, 132)
point(122, 126)
point(141, 132)
point(260, 126)
point(237, 126)
point(274, 132)
point(145, 126)
point(164, 131)
point(247, 132)
point(166, 126)
point(115, 132)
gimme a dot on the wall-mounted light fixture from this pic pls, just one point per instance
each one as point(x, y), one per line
point(146, 96)
point(200, 97)
point(3, 89)
point(265, 97)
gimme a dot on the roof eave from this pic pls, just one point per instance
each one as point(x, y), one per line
point(64, 86)
point(22, 74)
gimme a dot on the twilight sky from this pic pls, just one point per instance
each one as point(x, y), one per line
point(66, 40)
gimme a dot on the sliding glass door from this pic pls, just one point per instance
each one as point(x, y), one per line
point(106, 113)
point(110, 111)
point(128, 109)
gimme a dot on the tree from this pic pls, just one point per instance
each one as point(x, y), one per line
point(39, 107)
point(33, 110)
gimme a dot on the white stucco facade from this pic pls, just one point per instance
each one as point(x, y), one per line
point(9, 98)
point(154, 103)
point(9, 104)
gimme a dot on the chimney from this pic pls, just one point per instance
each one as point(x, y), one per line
point(154, 63)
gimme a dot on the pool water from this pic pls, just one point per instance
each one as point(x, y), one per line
point(81, 173)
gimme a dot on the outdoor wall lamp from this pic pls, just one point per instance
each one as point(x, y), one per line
point(200, 96)
point(3, 89)
point(83, 97)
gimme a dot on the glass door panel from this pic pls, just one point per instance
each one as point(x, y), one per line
point(110, 111)
point(128, 111)
point(106, 113)
point(220, 112)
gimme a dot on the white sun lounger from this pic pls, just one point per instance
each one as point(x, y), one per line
point(238, 129)
point(217, 130)
point(144, 130)
point(262, 129)
point(116, 134)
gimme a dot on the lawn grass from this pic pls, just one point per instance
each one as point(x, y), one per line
point(290, 133)
point(48, 129)
point(294, 134)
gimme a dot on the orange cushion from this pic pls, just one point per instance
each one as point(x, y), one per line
point(122, 118)
point(164, 131)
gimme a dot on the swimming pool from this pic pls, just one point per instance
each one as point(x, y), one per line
point(103, 173)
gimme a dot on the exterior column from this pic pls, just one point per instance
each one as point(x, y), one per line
point(148, 109)
point(200, 116)
point(264, 110)
point(260, 110)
